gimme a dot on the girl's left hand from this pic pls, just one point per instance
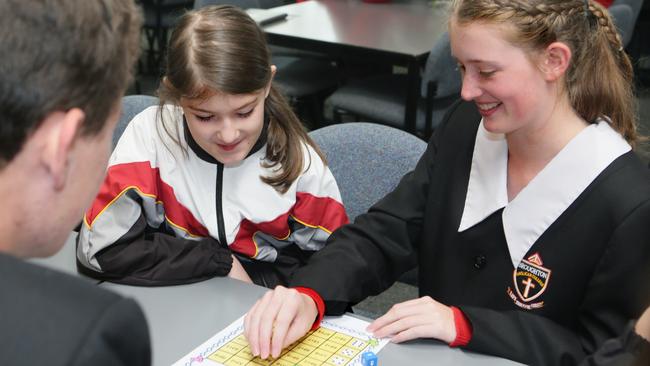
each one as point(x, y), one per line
point(418, 318)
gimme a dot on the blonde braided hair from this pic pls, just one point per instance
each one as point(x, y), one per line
point(599, 78)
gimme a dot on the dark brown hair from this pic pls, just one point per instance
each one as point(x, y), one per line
point(62, 54)
point(220, 48)
point(599, 78)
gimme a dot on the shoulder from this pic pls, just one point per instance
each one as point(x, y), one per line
point(42, 305)
point(145, 136)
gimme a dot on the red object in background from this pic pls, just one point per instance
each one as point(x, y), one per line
point(605, 3)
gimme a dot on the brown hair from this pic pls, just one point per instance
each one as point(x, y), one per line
point(220, 48)
point(599, 78)
point(58, 55)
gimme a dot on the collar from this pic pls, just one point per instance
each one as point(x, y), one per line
point(205, 156)
point(547, 195)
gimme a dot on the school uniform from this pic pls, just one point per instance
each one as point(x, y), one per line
point(543, 279)
point(51, 318)
point(169, 213)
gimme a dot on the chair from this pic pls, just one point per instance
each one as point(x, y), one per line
point(381, 98)
point(624, 19)
point(159, 17)
point(368, 160)
point(131, 106)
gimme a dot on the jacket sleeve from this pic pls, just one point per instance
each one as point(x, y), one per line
point(629, 349)
point(536, 340)
point(377, 248)
point(119, 337)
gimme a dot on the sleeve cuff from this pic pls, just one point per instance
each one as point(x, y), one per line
point(320, 304)
point(463, 328)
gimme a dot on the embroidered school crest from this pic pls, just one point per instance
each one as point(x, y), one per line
point(531, 279)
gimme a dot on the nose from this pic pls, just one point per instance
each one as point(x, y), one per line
point(470, 89)
point(227, 133)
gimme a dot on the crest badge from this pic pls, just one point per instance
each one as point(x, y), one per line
point(530, 280)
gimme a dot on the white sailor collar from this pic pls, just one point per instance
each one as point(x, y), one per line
point(547, 195)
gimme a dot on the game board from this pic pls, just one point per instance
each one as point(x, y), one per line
point(339, 341)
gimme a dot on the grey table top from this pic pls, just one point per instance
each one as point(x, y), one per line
point(182, 317)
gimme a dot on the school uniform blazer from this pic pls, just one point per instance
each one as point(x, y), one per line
point(543, 279)
point(51, 318)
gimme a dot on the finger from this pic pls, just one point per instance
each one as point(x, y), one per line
point(400, 325)
point(247, 319)
point(255, 320)
point(283, 322)
point(267, 327)
point(409, 334)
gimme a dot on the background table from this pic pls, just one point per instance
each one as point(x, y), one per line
point(401, 32)
point(183, 317)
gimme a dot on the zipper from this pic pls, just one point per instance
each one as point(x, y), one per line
point(219, 206)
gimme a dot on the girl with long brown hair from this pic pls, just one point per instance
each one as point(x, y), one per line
point(220, 179)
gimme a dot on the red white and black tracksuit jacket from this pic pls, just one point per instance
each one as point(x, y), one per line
point(167, 215)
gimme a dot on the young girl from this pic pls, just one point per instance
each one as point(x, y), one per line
point(221, 174)
point(528, 214)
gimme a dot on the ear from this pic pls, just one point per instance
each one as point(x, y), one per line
point(555, 60)
point(268, 87)
point(62, 127)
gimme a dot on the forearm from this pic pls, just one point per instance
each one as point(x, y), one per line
point(164, 260)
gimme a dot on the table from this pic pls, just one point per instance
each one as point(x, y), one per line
point(401, 32)
point(182, 317)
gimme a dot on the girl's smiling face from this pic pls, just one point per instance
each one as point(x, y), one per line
point(224, 125)
point(508, 88)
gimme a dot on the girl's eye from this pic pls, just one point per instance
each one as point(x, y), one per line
point(486, 74)
point(244, 114)
point(203, 118)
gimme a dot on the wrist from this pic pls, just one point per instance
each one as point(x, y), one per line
point(317, 301)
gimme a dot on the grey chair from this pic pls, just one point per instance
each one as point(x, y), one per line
point(131, 106)
point(368, 160)
point(382, 98)
point(623, 17)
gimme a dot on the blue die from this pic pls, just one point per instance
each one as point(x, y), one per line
point(369, 359)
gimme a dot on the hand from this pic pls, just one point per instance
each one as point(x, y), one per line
point(279, 318)
point(238, 272)
point(418, 318)
point(642, 327)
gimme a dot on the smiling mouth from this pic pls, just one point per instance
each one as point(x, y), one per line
point(229, 147)
point(487, 106)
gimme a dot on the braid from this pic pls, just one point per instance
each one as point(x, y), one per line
point(605, 23)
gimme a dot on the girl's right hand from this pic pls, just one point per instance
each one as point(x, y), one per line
point(238, 272)
point(279, 318)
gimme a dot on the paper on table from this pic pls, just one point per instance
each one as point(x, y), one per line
point(339, 341)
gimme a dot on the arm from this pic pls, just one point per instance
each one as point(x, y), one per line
point(536, 340)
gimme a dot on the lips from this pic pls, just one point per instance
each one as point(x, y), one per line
point(229, 147)
point(487, 109)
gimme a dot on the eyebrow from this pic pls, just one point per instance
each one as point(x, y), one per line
point(246, 104)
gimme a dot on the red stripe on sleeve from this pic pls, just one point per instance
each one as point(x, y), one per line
point(141, 176)
point(324, 212)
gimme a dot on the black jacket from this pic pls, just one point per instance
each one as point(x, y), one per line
point(597, 249)
point(51, 318)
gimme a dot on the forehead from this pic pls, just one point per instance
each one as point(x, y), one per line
point(217, 101)
point(482, 42)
